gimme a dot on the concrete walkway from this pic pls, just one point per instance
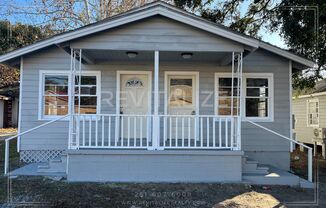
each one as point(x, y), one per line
point(32, 170)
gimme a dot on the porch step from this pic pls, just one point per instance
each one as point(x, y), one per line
point(252, 167)
point(56, 165)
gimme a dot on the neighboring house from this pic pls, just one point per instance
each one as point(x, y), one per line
point(309, 112)
point(150, 97)
point(9, 102)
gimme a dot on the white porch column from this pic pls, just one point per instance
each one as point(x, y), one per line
point(240, 98)
point(156, 121)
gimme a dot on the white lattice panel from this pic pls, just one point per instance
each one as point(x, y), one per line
point(30, 156)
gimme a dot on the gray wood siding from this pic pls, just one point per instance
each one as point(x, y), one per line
point(55, 135)
point(253, 138)
point(157, 33)
point(258, 139)
point(304, 133)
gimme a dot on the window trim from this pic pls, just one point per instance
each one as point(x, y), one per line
point(42, 74)
point(307, 112)
point(243, 86)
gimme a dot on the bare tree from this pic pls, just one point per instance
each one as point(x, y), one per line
point(63, 15)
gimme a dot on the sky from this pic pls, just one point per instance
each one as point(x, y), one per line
point(274, 38)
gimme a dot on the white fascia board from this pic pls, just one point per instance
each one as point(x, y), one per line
point(287, 55)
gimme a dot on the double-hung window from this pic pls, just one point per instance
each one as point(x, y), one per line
point(257, 96)
point(86, 102)
point(54, 94)
point(313, 112)
point(224, 95)
point(55, 89)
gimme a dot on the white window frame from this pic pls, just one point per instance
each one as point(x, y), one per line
point(43, 73)
point(313, 100)
point(268, 76)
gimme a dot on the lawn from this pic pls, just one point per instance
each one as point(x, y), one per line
point(63, 194)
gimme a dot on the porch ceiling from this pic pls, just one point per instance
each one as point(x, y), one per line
point(106, 56)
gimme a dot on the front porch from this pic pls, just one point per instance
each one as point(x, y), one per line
point(168, 117)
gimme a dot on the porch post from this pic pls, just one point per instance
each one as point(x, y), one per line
point(156, 121)
point(240, 99)
point(70, 109)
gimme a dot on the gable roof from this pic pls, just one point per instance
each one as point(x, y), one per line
point(149, 10)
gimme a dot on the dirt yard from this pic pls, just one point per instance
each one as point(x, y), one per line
point(45, 192)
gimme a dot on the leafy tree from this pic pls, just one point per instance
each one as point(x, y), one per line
point(13, 37)
point(228, 13)
point(297, 20)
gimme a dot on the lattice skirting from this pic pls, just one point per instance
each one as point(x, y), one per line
point(30, 156)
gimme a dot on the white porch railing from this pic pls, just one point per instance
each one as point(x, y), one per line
point(175, 132)
point(199, 132)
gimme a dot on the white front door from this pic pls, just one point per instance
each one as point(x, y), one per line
point(182, 100)
point(134, 100)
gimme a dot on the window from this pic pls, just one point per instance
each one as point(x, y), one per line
point(313, 112)
point(257, 96)
point(224, 95)
point(181, 93)
point(88, 94)
point(258, 99)
point(55, 89)
point(55, 95)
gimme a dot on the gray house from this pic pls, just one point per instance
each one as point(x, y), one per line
point(157, 95)
point(309, 111)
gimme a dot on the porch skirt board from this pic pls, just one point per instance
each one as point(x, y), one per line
point(155, 166)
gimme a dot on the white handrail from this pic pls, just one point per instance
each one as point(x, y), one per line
point(6, 168)
point(291, 140)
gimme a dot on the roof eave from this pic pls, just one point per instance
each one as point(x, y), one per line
point(300, 60)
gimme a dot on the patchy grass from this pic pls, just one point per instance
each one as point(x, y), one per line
point(63, 194)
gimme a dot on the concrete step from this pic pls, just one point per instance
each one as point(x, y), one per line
point(258, 170)
point(54, 166)
point(56, 160)
point(43, 166)
point(252, 167)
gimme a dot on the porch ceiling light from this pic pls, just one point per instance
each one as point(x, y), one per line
point(186, 55)
point(131, 54)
